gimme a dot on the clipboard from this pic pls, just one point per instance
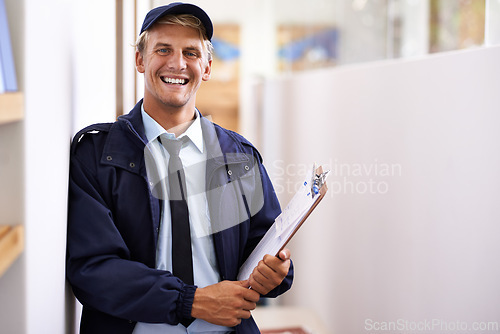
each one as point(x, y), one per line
point(300, 207)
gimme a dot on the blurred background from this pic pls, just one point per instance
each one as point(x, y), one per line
point(399, 99)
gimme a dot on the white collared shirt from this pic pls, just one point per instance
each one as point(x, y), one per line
point(193, 156)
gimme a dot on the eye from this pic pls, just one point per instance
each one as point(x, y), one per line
point(163, 51)
point(191, 54)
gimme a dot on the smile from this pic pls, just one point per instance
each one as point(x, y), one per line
point(173, 81)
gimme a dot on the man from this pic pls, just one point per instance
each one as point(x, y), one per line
point(156, 235)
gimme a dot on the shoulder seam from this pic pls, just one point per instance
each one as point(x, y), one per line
point(92, 129)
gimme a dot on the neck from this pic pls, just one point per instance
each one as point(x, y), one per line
point(173, 120)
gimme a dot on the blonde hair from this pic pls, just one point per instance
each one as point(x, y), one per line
point(185, 20)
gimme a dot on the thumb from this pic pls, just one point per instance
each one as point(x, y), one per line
point(284, 254)
point(244, 284)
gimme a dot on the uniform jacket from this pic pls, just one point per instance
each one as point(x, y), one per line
point(114, 220)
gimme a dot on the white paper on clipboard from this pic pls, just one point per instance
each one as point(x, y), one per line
point(287, 223)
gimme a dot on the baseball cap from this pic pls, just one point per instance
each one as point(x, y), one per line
point(178, 8)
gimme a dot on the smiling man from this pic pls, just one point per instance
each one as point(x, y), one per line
point(165, 206)
point(174, 61)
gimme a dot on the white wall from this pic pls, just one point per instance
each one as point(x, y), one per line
point(64, 53)
point(92, 74)
point(424, 245)
point(47, 88)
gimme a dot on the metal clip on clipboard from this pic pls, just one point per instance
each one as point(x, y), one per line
point(318, 180)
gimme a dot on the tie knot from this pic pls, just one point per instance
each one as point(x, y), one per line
point(173, 146)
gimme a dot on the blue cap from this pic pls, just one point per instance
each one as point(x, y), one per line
point(178, 8)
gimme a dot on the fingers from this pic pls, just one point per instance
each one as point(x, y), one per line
point(278, 264)
point(249, 294)
point(244, 284)
point(270, 272)
point(225, 303)
point(264, 279)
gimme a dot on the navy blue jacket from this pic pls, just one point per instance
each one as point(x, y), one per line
point(114, 219)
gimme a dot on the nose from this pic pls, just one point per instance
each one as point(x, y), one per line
point(176, 61)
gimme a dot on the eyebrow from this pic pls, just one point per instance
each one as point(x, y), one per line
point(158, 45)
point(193, 48)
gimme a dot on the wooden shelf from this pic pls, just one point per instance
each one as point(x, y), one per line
point(11, 245)
point(11, 107)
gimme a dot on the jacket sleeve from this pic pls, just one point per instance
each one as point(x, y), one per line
point(98, 263)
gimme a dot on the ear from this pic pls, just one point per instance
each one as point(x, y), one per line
point(208, 71)
point(139, 62)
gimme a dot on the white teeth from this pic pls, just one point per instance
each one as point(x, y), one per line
point(174, 81)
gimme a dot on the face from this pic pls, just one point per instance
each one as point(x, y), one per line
point(174, 64)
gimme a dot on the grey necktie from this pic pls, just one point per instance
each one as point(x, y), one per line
point(182, 258)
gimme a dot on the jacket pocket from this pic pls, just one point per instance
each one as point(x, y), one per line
point(238, 198)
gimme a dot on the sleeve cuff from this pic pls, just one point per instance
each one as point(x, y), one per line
point(185, 302)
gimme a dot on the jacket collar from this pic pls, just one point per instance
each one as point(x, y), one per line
point(133, 121)
point(222, 147)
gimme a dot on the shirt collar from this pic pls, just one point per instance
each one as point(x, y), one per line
point(193, 132)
